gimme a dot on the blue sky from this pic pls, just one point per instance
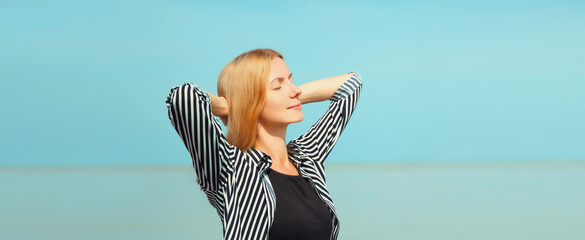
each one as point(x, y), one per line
point(84, 82)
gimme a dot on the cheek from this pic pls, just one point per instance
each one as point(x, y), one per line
point(269, 107)
point(272, 102)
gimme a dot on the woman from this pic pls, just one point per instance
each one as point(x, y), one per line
point(262, 187)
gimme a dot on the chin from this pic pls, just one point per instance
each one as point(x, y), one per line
point(299, 119)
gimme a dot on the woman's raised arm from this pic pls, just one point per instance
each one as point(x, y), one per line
point(219, 107)
point(191, 112)
point(343, 91)
point(321, 90)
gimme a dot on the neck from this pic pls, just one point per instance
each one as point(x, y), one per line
point(272, 141)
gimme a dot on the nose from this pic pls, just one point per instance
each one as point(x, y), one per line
point(296, 92)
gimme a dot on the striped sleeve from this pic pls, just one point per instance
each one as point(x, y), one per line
point(189, 110)
point(318, 142)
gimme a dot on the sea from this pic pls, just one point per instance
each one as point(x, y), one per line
point(410, 201)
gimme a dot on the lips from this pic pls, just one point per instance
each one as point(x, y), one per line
point(298, 105)
point(295, 106)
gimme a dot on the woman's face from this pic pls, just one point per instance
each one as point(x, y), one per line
point(282, 105)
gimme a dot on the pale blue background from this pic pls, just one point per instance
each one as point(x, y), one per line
point(472, 112)
point(84, 82)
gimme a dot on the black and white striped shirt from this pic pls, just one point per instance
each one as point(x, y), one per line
point(235, 182)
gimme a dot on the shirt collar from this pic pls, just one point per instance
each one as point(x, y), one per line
point(295, 154)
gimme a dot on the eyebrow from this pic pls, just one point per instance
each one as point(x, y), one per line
point(281, 78)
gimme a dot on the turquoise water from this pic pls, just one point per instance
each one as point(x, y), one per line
point(374, 201)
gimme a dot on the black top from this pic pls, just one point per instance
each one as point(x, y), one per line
point(300, 213)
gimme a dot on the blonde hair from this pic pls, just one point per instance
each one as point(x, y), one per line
point(243, 83)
